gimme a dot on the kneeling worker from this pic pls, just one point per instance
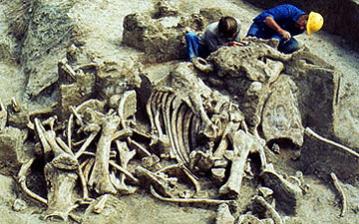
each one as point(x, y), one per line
point(282, 23)
point(225, 32)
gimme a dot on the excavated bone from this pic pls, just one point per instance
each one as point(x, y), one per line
point(242, 144)
point(128, 104)
point(125, 156)
point(286, 194)
point(159, 182)
point(100, 176)
point(205, 201)
point(224, 215)
point(86, 144)
point(339, 189)
point(270, 211)
point(3, 116)
point(61, 187)
point(21, 176)
point(138, 147)
point(101, 203)
point(249, 219)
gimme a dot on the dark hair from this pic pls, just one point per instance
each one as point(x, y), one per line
point(227, 26)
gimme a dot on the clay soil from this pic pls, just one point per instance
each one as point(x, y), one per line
point(102, 20)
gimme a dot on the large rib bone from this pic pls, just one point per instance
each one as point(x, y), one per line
point(100, 176)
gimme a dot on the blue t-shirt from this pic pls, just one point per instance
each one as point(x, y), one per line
point(285, 16)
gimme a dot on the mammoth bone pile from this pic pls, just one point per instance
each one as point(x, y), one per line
point(195, 149)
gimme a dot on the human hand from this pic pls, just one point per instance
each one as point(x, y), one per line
point(285, 34)
point(235, 43)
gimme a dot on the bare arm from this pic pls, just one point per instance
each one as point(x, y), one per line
point(271, 23)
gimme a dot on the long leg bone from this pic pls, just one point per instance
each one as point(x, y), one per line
point(100, 176)
point(241, 145)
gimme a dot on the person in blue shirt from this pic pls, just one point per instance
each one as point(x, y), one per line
point(282, 23)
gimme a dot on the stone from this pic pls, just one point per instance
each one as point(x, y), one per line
point(12, 150)
point(281, 118)
point(117, 77)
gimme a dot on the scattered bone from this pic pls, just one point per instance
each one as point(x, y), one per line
point(61, 185)
point(224, 215)
point(138, 147)
point(242, 145)
point(287, 194)
point(161, 183)
point(3, 116)
point(270, 211)
point(249, 219)
point(100, 176)
point(125, 156)
point(206, 201)
point(15, 105)
point(101, 203)
point(22, 181)
point(340, 191)
point(312, 134)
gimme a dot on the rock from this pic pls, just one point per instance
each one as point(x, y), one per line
point(163, 8)
point(12, 150)
point(117, 77)
point(7, 185)
point(159, 43)
point(247, 73)
point(281, 118)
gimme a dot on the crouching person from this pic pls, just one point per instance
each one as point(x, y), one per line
point(225, 32)
point(282, 23)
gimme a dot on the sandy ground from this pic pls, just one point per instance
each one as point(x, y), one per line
point(102, 21)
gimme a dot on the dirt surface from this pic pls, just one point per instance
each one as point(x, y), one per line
point(100, 22)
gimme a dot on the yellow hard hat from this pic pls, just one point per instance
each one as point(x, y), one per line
point(314, 23)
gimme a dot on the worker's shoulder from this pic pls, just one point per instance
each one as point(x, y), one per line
point(212, 28)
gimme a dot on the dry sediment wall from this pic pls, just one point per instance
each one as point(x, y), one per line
point(340, 17)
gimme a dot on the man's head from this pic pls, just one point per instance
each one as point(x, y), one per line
point(227, 26)
point(312, 22)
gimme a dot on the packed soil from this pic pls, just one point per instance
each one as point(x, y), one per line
point(101, 21)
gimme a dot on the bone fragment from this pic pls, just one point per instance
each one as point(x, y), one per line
point(206, 201)
point(269, 209)
point(21, 176)
point(101, 203)
point(138, 147)
point(224, 215)
point(86, 144)
point(312, 134)
point(339, 189)
point(61, 186)
point(3, 116)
